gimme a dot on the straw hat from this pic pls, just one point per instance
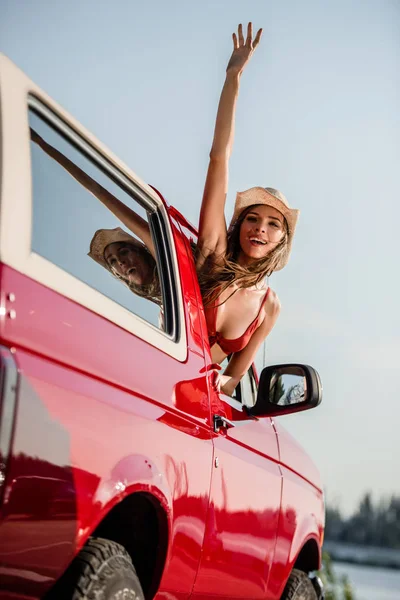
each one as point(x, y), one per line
point(269, 197)
point(104, 237)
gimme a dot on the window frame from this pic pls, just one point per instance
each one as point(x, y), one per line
point(17, 95)
point(239, 387)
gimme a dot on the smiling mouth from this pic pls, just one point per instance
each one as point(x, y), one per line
point(257, 242)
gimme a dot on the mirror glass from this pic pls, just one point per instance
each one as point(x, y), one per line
point(288, 386)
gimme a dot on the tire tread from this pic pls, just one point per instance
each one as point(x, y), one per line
point(299, 587)
point(91, 566)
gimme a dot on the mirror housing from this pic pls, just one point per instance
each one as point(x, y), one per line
point(285, 389)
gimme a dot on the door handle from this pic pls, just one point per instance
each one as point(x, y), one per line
point(222, 422)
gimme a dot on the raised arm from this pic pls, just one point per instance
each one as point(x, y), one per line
point(212, 225)
point(126, 215)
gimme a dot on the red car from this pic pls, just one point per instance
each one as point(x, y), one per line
point(123, 472)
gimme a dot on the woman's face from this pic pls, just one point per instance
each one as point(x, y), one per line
point(260, 232)
point(126, 260)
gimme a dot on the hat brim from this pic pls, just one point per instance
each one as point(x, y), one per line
point(103, 238)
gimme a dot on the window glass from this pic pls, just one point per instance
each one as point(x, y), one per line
point(248, 389)
point(74, 227)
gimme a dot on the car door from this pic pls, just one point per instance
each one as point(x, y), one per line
point(244, 503)
point(112, 396)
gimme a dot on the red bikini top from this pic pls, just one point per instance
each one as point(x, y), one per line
point(230, 346)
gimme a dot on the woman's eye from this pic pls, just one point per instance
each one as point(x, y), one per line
point(274, 224)
point(123, 251)
point(252, 219)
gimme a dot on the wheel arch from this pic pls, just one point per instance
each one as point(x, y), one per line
point(309, 556)
point(307, 559)
point(139, 523)
point(305, 556)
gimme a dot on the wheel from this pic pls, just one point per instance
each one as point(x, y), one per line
point(299, 587)
point(102, 570)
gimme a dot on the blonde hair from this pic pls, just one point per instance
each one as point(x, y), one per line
point(215, 278)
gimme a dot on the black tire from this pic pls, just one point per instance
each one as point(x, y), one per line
point(299, 587)
point(102, 570)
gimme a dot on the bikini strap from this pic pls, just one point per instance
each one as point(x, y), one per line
point(254, 323)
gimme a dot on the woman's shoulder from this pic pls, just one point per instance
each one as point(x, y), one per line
point(272, 303)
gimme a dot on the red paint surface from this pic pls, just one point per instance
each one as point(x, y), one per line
point(102, 415)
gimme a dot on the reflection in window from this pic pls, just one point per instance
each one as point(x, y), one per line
point(248, 389)
point(127, 259)
point(86, 224)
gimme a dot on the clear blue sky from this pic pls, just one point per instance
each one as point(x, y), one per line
point(318, 118)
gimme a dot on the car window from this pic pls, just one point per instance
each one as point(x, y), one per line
point(248, 389)
point(74, 230)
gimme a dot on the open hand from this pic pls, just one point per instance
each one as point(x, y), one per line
point(242, 50)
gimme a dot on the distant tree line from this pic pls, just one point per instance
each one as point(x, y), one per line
point(370, 525)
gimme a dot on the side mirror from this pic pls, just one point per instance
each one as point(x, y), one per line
point(287, 389)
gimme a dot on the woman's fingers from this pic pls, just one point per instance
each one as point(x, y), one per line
point(238, 40)
point(257, 38)
point(240, 33)
point(249, 38)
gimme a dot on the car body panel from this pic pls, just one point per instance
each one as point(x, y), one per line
point(293, 456)
point(65, 412)
point(302, 516)
point(243, 515)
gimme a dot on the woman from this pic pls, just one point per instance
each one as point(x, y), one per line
point(128, 260)
point(232, 264)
